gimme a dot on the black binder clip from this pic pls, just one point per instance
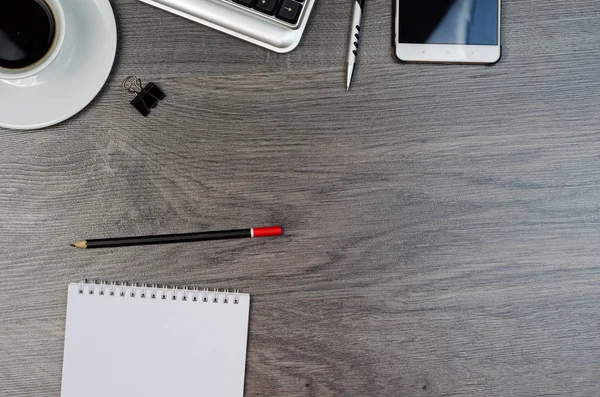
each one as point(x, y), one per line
point(147, 97)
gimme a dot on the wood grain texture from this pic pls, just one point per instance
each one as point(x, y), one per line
point(442, 222)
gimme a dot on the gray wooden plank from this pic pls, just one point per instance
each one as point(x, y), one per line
point(442, 222)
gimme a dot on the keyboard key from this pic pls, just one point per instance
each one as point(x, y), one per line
point(266, 6)
point(247, 3)
point(289, 11)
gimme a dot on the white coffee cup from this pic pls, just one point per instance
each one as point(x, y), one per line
point(60, 27)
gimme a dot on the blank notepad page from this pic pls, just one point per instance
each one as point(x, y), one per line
point(127, 340)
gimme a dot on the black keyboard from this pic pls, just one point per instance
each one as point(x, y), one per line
point(286, 10)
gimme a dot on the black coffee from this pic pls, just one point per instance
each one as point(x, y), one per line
point(26, 32)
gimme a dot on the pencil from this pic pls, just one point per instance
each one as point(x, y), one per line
point(180, 238)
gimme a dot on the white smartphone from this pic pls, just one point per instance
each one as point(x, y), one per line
point(448, 31)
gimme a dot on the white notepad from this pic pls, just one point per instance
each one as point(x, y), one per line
point(133, 341)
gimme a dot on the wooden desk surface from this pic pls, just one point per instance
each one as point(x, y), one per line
point(442, 222)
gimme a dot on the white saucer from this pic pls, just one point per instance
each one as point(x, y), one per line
point(75, 77)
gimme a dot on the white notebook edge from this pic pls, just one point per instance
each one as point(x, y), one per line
point(162, 292)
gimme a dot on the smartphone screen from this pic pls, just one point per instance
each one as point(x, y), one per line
point(463, 22)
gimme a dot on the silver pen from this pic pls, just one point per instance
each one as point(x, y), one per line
point(353, 41)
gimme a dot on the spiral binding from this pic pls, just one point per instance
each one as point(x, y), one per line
point(162, 292)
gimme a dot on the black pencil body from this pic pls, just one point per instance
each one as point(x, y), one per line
point(169, 238)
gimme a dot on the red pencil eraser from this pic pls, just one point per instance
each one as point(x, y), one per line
point(267, 231)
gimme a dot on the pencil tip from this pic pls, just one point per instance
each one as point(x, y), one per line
point(80, 244)
point(73, 245)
